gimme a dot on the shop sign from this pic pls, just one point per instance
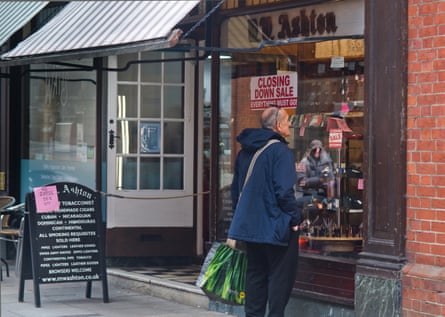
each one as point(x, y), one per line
point(337, 62)
point(335, 138)
point(344, 18)
point(279, 90)
point(63, 238)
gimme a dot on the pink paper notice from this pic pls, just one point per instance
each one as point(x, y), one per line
point(360, 184)
point(46, 199)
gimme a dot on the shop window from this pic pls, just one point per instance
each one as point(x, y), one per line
point(60, 140)
point(329, 108)
point(316, 50)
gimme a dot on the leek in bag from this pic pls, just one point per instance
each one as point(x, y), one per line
point(223, 276)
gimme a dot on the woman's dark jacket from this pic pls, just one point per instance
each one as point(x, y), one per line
point(267, 208)
point(315, 172)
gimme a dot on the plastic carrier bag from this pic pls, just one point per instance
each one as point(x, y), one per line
point(223, 274)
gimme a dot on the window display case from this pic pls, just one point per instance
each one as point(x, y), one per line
point(329, 107)
point(331, 110)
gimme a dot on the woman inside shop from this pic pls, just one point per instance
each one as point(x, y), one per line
point(315, 175)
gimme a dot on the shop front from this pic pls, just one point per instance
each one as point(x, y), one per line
point(109, 103)
point(310, 59)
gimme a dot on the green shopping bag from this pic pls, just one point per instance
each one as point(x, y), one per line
point(223, 275)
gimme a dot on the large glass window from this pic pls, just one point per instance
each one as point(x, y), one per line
point(329, 108)
point(307, 58)
point(61, 136)
point(150, 122)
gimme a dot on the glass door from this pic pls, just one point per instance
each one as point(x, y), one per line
point(150, 148)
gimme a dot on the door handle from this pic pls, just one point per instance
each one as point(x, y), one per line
point(111, 138)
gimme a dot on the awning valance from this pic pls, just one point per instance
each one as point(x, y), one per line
point(86, 29)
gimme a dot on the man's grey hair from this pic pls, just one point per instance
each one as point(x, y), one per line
point(270, 117)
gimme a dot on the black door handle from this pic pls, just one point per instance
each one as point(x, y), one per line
point(111, 138)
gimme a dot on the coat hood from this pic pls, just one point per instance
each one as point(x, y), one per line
point(316, 144)
point(251, 139)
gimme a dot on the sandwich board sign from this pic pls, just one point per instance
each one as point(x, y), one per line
point(63, 238)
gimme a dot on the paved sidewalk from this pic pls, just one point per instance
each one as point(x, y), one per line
point(68, 300)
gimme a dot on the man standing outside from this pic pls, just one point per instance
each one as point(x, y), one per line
point(266, 216)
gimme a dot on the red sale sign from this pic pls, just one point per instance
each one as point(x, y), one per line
point(279, 90)
point(335, 138)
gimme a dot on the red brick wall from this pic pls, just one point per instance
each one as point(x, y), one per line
point(423, 279)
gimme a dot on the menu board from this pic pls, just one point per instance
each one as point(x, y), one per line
point(66, 240)
point(66, 234)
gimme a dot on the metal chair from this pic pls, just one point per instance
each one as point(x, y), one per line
point(6, 201)
point(6, 232)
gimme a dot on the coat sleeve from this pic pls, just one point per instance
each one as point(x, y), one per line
point(305, 174)
point(313, 182)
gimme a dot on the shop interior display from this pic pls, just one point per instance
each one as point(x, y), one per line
point(331, 100)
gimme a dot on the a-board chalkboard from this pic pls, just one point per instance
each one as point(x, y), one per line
point(63, 238)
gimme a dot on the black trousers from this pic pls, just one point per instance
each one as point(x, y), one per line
point(271, 273)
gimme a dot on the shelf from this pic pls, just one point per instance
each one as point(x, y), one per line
point(332, 239)
point(354, 114)
point(332, 244)
point(311, 254)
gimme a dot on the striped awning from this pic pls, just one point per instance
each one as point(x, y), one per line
point(15, 14)
point(85, 29)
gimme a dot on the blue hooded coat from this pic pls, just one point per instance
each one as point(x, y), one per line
point(267, 207)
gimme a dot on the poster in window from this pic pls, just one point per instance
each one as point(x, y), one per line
point(150, 137)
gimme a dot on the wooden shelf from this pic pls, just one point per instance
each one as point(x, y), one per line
point(354, 114)
point(332, 244)
point(333, 239)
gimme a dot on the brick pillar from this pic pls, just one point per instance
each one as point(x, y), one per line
point(423, 278)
